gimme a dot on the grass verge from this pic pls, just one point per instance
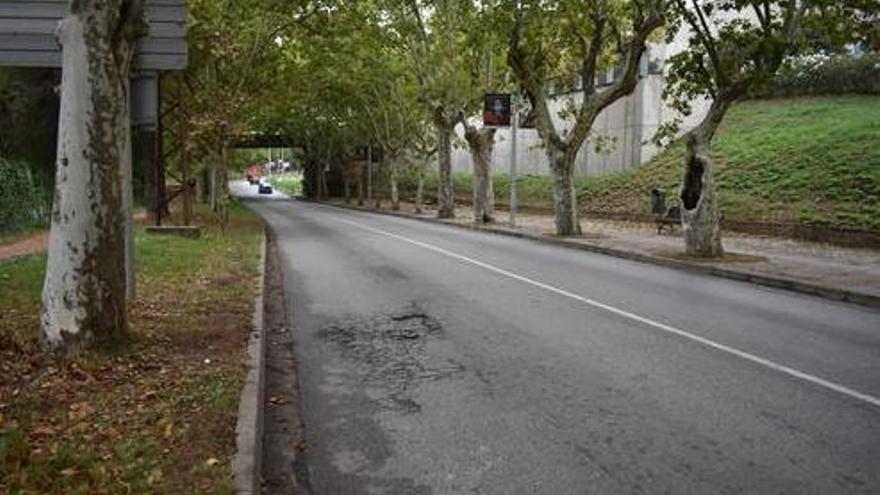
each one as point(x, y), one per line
point(157, 416)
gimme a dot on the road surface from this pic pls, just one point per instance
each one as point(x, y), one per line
point(435, 360)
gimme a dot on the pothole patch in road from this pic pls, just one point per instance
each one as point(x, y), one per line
point(391, 350)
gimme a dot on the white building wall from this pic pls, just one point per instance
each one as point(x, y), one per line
point(627, 127)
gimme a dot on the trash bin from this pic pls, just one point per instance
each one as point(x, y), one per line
point(658, 201)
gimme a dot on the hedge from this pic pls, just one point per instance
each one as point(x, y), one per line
point(22, 203)
point(821, 74)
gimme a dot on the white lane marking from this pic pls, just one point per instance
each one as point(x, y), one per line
point(855, 394)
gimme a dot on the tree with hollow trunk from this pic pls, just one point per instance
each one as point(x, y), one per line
point(733, 47)
point(543, 37)
point(84, 293)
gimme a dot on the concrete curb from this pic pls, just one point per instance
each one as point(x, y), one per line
point(247, 465)
point(826, 292)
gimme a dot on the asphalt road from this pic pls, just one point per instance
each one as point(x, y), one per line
point(434, 360)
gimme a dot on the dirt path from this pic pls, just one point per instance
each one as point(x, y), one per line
point(34, 243)
point(38, 242)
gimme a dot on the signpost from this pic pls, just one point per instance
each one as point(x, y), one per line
point(502, 110)
point(513, 132)
point(496, 110)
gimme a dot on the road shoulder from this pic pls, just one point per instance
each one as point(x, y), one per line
point(284, 469)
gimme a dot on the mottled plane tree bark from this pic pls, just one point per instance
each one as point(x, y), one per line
point(481, 143)
point(84, 292)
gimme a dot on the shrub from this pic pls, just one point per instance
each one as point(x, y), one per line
point(821, 74)
point(22, 205)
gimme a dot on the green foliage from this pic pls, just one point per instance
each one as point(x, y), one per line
point(808, 160)
point(21, 203)
point(747, 43)
point(290, 184)
point(29, 117)
point(821, 74)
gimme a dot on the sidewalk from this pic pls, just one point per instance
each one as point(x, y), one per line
point(831, 271)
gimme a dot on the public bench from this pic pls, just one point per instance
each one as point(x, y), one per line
point(668, 220)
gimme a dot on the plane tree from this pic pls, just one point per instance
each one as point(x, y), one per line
point(571, 40)
point(482, 56)
point(733, 48)
point(86, 288)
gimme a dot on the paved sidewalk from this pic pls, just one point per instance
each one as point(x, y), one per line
point(842, 270)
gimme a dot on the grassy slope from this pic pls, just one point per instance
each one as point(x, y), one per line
point(810, 160)
point(150, 417)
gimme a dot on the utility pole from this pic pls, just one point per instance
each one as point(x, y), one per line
point(514, 110)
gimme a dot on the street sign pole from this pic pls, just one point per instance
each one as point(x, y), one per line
point(514, 110)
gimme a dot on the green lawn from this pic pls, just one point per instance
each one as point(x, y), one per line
point(809, 160)
point(290, 183)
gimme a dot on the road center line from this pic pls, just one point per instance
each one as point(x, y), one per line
point(855, 394)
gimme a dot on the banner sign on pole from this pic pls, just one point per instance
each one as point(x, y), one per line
point(496, 110)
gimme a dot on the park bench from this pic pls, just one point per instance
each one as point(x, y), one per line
point(670, 219)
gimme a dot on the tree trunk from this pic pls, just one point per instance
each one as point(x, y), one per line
point(347, 186)
point(700, 219)
point(420, 189)
point(202, 182)
point(213, 193)
point(564, 195)
point(126, 163)
point(84, 293)
point(360, 183)
point(392, 179)
point(310, 179)
point(379, 183)
point(221, 181)
point(445, 195)
point(481, 144)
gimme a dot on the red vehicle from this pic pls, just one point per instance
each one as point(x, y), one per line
point(253, 173)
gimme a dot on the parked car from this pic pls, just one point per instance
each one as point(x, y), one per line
point(265, 189)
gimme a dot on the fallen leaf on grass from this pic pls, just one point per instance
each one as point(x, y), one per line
point(43, 431)
point(154, 477)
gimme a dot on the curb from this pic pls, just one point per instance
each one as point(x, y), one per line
point(792, 285)
point(247, 463)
